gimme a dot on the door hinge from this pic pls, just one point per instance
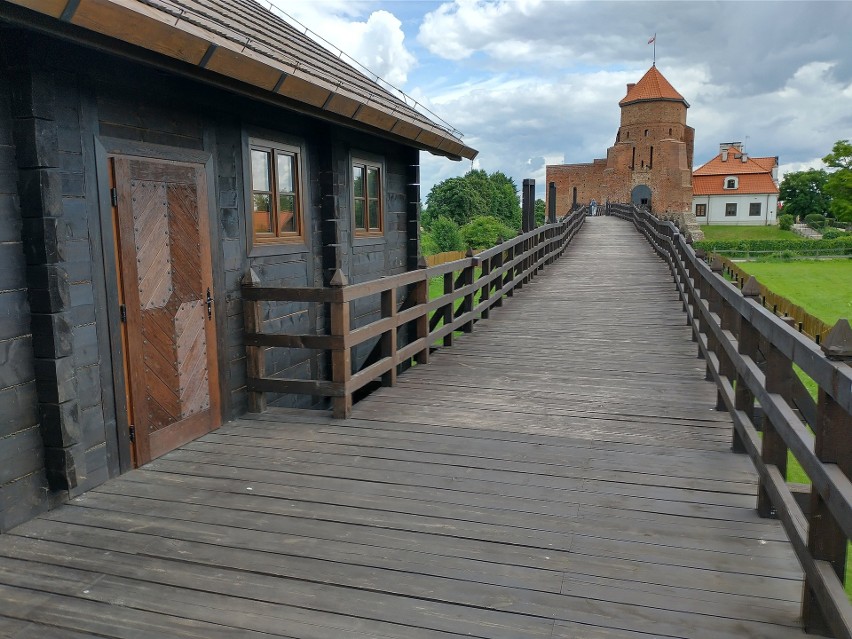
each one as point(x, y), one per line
point(122, 312)
point(113, 196)
point(132, 433)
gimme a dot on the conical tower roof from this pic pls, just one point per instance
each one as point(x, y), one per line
point(653, 86)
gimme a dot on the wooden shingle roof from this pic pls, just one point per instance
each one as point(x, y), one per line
point(243, 41)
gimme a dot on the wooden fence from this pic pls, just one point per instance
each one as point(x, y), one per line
point(750, 353)
point(472, 286)
point(806, 323)
point(442, 258)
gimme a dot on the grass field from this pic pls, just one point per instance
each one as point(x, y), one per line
point(732, 232)
point(822, 287)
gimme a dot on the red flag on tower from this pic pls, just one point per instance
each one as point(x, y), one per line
point(653, 39)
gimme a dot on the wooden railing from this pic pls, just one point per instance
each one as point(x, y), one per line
point(750, 354)
point(471, 287)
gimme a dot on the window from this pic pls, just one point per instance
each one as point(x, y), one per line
point(646, 133)
point(754, 209)
point(700, 210)
point(730, 183)
point(275, 199)
point(367, 198)
point(731, 209)
point(651, 159)
point(633, 159)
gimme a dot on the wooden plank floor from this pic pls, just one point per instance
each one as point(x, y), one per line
point(559, 473)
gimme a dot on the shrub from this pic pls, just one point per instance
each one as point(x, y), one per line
point(446, 235)
point(427, 244)
point(832, 234)
point(815, 221)
point(785, 222)
point(802, 246)
point(483, 232)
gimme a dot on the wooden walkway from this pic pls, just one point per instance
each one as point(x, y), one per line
point(559, 473)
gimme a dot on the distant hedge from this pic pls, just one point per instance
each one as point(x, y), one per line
point(802, 246)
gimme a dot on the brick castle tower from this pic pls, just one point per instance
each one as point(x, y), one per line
point(650, 163)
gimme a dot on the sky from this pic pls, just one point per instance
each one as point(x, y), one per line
point(537, 82)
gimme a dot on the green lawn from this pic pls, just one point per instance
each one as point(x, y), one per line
point(822, 287)
point(737, 232)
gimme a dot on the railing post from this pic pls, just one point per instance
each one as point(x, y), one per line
point(779, 373)
point(467, 303)
point(255, 355)
point(388, 339)
point(510, 273)
point(747, 344)
point(447, 309)
point(421, 298)
point(498, 282)
point(341, 358)
point(485, 294)
point(551, 203)
point(832, 445)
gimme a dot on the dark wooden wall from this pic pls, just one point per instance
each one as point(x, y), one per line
point(59, 99)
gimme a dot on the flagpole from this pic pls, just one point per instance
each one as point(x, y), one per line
point(655, 50)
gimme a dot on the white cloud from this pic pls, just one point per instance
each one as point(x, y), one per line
point(378, 43)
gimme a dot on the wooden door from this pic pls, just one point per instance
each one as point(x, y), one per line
point(166, 289)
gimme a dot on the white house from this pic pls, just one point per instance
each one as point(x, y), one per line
point(734, 188)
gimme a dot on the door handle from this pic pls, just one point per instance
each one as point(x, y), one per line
point(209, 305)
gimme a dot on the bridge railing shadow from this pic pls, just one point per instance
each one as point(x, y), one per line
point(409, 326)
point(750, 354)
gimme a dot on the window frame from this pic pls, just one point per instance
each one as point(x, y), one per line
point(276, 150)
point(731, 179)
point(367, 162)
point(728, 206)
point(751, 206)
point(702, 208)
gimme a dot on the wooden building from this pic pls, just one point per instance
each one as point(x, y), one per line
point(152, 152)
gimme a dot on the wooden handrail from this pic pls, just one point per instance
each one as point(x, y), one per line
point(750, 353)
point(502, 269)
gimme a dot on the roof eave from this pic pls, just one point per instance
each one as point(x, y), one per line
point(200, 53)
point(624, 102)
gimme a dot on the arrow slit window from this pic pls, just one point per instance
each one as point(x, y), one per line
point(275, 194)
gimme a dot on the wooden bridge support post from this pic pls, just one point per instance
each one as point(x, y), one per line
point(498, 282)
point(421, 298)
point(389, 337)
point(747, 344)
point(341, 360)
point(447, 309)
point(551, 203)
point(255, 355)
point(728, 317)
point(779, 373)
point(467, 277)
point(512, 270)
point(485, 295)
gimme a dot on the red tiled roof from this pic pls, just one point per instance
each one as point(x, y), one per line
point(735, 165)
point(747, 184)
point(652, 86)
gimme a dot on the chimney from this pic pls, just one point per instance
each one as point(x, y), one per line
point(745, 157)
point(630, 85)
point(724, 153)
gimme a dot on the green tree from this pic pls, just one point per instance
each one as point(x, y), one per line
point(455, 199)
point(838, 185)
point(540, 215)
point(484, 231)
point(446, 235)
point(803, 193)
point(504, 204)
